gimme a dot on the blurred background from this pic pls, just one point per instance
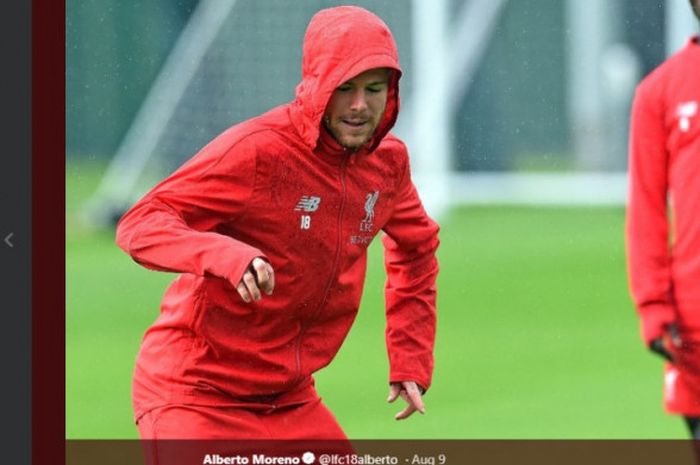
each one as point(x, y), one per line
point(516, 116)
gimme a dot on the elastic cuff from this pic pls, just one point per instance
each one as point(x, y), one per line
point(400, 377)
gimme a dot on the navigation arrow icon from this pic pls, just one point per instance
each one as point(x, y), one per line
point(7, 239)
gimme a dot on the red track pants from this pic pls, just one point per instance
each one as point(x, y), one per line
point(311, 420)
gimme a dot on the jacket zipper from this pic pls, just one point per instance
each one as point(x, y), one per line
point(333, 270)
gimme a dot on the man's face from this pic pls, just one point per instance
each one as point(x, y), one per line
point(356, 108)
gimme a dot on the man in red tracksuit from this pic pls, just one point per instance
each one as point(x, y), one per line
point(268, 226)
point(663, 223)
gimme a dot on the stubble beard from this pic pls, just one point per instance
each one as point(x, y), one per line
point(354, 147)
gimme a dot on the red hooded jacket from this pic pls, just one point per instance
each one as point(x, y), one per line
point(664, 250)
point(279, 186)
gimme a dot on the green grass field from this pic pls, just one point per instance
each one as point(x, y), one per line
point(537, 337)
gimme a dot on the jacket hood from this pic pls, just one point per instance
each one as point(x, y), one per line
point(339, 44)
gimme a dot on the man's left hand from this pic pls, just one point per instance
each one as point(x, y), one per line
point(667, 344)
point(411, 393)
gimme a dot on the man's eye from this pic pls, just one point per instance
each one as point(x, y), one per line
point(344, 88)
point(374, 90)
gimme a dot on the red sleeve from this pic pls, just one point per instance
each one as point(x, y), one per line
point(409, 253)
point(647, 230)
point(173, 228)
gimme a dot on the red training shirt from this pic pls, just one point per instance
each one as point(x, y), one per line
point(280, 187)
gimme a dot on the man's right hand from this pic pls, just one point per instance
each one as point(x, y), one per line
point(411, 393)
point(671, 338)
point(258, 277)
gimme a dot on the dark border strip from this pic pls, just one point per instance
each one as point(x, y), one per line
point(48, 231)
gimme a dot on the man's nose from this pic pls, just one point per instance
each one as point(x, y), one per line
point(359, 100)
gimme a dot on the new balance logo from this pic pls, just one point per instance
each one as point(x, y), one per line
point(308, 203)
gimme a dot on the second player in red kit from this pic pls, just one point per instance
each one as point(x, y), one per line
point(663, 222)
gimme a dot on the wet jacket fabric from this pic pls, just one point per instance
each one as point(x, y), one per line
point(663, 221)
point(280, 187)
